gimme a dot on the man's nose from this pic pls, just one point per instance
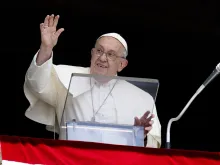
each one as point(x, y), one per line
point(103, 57)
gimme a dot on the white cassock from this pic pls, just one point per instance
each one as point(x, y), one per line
point(46, 88)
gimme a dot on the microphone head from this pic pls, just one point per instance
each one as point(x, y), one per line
point(218, 67)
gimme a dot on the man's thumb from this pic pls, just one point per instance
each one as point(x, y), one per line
point(136, 121)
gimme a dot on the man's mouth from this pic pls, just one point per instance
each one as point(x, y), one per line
point(101, 66)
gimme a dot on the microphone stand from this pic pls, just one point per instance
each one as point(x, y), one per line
point(210, 78)
point(168, 145)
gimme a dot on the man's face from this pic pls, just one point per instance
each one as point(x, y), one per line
point(107, 57)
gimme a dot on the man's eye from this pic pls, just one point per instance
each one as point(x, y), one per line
point(111, 54)
point(99, 50)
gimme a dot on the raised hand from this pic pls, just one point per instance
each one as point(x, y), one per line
point(49, 38)
point(145, 121)
point(49, 32)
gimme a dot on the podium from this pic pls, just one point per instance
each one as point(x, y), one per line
point(90, 98)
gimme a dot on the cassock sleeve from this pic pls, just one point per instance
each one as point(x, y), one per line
point(154, 136)
point(40, 90)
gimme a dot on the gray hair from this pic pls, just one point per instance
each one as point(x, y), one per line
point(125, 53)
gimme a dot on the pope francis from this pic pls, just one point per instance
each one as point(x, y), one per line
point(115, 102)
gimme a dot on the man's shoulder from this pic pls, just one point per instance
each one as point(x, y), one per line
point(135, 90)
point(71, 69)
point(64, 72)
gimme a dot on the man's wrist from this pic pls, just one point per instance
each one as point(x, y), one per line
point(44, 54)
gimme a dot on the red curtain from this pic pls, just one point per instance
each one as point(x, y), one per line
point(50, 152)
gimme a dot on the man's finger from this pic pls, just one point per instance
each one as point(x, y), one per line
point(41, 26)
point(150, 118)
point(145, 115)
point(56, 21)
point(147, 120)
point(46, 20)
point(148, 128)
point(59, 32)
point(149, 124)
point(137, 121)
point(51, 20)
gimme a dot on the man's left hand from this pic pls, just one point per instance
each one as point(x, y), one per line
point(145, 121)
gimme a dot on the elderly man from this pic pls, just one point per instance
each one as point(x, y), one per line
point(46, 86)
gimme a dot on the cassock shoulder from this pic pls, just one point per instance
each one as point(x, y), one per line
point(64, 72)
point(70, 69)
point(134, 91)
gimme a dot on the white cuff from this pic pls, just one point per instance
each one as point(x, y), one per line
point(38, 76)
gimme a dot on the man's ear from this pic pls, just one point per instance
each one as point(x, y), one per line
point(92, 51)
point(123, 64)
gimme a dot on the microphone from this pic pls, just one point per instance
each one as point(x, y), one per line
point(206, 82)
point(212, 75)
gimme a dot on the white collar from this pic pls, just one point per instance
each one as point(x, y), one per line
point(107, 84)
point(110, 83)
